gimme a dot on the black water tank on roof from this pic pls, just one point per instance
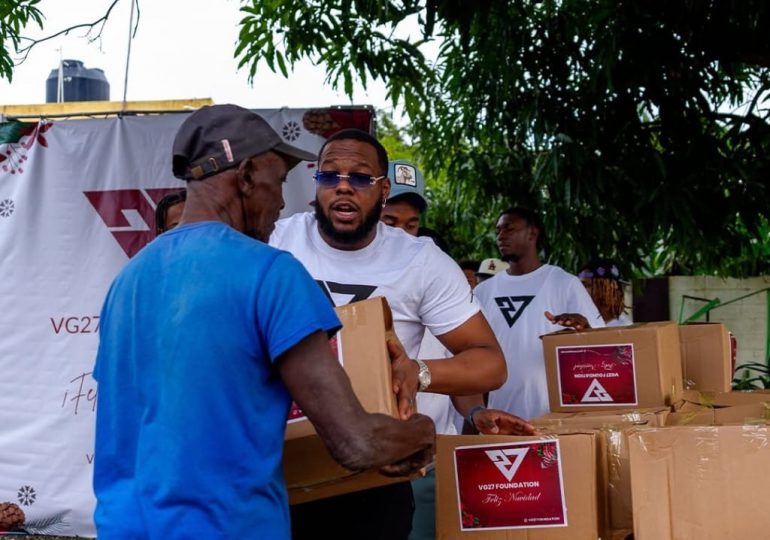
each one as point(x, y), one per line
point(80, 83)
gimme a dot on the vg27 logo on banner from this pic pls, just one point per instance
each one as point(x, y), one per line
point(129, 214)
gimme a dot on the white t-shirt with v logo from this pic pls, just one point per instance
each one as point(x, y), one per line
point(515, 307)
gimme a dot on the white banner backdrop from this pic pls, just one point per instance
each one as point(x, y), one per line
point(77, 199)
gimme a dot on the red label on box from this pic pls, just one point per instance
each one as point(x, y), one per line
point(295, 413)
point(510, 486)
point(598, 375)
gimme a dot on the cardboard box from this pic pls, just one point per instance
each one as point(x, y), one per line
point(721, 399)
point(706, 357)
point(651, 416)
point(309, 470)
point(517, 488)
point(700, 483)
point(720, 408)
point(613, 368)
point(757, 413)
point(614, 471)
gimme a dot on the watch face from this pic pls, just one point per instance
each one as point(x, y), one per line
point(424, 376)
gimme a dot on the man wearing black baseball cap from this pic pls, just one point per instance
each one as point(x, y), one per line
point(204, 335)
point(241, 150)
point(353, 256)
point(219, 137)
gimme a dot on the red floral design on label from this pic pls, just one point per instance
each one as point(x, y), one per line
point(510, 486)
point(597, 375)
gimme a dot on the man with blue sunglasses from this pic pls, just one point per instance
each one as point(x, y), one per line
point(353, 256)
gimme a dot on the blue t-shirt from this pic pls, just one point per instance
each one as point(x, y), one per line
point(191, 410)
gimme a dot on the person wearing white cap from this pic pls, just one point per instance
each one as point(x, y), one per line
point(490, 267)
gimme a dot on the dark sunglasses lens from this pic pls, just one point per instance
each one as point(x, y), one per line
point(327, 179)
point(360, 180)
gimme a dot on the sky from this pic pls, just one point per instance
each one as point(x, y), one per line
point(183, 49)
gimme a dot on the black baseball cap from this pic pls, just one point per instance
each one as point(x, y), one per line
point(218, 137)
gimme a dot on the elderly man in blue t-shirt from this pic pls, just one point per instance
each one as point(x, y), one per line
point(206, 336)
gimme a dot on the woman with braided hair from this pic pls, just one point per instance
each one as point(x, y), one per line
point(605, 285)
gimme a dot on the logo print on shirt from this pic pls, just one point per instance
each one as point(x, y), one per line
point(596, 394)
point(501, 461)
point(345, 293)
point(512, 307)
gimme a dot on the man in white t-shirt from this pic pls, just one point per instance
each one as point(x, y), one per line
point(403, 209)
point(519, 305)
point(353, 256)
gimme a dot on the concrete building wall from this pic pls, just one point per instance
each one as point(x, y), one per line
point(746, 318)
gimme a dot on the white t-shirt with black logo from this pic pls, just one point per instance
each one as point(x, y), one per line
point(424, 286)
point(438, 406)
point(514, 307)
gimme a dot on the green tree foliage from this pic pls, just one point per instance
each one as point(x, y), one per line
point(14, 16)
point(448, 201)
point(639, 129)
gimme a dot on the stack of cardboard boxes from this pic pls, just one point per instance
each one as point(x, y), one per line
point(650, 405)
point(644, 437)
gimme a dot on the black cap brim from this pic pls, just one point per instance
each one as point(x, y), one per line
point(294, 155)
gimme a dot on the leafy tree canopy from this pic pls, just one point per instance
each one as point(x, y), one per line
point(15, 15)
point(639, 129)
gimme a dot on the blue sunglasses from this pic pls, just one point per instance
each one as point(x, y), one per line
point(331, 179)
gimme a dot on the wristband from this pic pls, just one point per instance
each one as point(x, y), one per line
point(473, 411)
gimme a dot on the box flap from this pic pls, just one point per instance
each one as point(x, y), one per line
point(706, 356)
point(723, 399)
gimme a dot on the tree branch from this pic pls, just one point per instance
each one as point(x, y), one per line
point(747, 119)
point(24, 51)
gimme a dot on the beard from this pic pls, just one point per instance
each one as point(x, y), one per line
point(347, 237)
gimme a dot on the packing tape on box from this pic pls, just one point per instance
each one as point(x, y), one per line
point(764, 418)
point(755, 436)
point(707, 399)
point(689, 417)
point(617, 451)
point(634, 417)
